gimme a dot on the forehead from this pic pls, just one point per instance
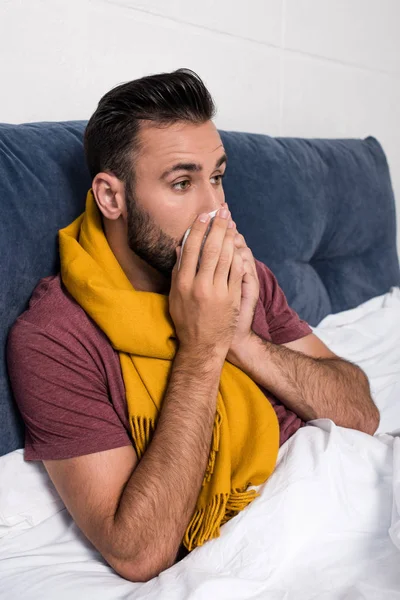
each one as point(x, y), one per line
point(164, 145)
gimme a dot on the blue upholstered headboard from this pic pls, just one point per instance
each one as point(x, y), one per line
point(319, 213)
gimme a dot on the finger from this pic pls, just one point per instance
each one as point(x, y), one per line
point(191, 246)
point(248, 261)
point(246, 254)
point(213, 245)
point(236, 274)
point(225, 258)
point(240, 242)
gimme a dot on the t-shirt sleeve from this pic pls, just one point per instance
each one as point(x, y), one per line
point(284, 323)
point(62, 397)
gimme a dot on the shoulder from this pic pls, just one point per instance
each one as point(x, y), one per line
point(283, 322)
point(54, 318)
point(268, 282)
point(52, 308)
point(59, 363)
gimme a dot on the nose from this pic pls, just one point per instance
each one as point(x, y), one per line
point(215, 206)
point(211, 199)
point(223, 205)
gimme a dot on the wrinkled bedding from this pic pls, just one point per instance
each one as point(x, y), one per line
point(326, 524)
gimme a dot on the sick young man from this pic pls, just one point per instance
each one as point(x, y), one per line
point(155, 396)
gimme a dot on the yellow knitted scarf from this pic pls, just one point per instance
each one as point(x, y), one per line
point(138, 324)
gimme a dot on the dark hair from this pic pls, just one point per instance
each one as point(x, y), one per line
point(111, 135)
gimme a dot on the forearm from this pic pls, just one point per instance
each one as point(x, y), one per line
point(159, 499)
point(313, 387)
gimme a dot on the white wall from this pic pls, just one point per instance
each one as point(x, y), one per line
point(310, 68)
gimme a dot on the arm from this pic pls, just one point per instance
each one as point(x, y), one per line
point(308, 378)
point(311, 381)
point(136, 513)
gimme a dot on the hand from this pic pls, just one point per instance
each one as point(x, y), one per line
point(249, 298)
point(205, 305)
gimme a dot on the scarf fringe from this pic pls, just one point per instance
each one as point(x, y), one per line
point(237, 501)
point(142, 430)
point(206, 522)
point(215, 441)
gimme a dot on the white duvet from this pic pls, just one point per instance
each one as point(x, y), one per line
point(326, 524)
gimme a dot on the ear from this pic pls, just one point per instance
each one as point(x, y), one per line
point(109, 193)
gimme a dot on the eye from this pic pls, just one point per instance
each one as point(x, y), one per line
point(217, 179)
point(181, 185)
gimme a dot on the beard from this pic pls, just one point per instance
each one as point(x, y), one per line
point(147, 240)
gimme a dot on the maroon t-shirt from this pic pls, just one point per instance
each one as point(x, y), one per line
point(67, 379)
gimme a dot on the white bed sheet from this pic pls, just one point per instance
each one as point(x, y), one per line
point(326, 524)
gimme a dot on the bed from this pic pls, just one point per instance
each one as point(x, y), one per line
point(326, 525)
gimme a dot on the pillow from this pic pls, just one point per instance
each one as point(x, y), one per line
point(319, 213)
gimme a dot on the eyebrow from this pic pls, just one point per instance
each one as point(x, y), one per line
point(193, 167)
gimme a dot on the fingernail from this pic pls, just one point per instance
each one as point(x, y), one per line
point(223, 213)
point(203, 217)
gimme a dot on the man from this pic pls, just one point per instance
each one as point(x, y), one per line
point(157, 164)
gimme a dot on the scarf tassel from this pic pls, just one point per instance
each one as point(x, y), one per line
point(142, 432)
point(237, 501)
point(143, 429)
point(214, 446)
point(206, 522)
